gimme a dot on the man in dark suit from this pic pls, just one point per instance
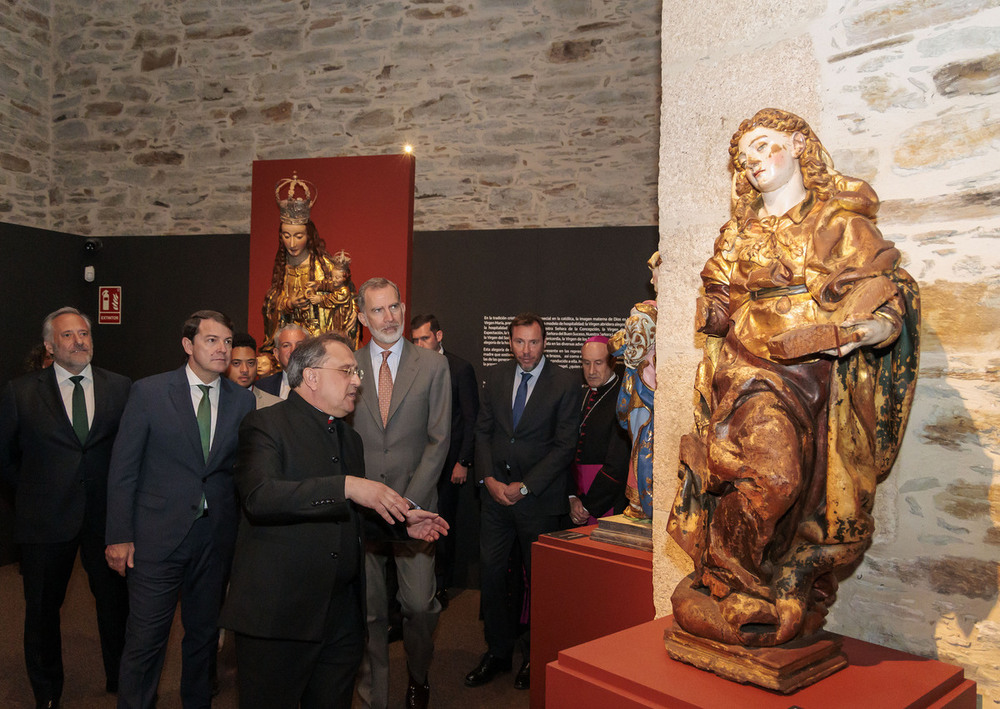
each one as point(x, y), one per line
point(57, 427)
point(285, 341)
point(299, 469)
point(172, 513)
point(425, 330)
point(525, 440)
point(403, 417)
point(600, 467)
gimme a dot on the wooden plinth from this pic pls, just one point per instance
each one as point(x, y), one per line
point(622, 531)
point(784, 669)
point(582, 590)
point(631, 670)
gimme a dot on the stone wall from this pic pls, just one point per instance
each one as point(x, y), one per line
point(904, 94)
point(25, 87)
point(528, 114)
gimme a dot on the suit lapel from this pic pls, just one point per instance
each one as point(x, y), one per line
point(538, 395)
point(49, 393)
point(102, 402)
point(180, 398)
point(406, 373)
point(504, 408)
point(223, 429)
point(368, 396)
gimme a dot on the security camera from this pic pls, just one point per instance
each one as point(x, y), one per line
point(92, 246)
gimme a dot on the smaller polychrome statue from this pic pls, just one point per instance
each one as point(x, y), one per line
point(802, 396)
point(309, 287)
point(635, 345)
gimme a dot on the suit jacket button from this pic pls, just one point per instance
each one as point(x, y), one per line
point(336, 459)
point(511, 440)
point(333, 555)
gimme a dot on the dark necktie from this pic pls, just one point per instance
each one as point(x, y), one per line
point(205, 431)
point(521, 397)
point(205, 420)
point(80, 423)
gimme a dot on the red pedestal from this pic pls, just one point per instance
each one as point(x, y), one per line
point(631, 669)
point(582, 590)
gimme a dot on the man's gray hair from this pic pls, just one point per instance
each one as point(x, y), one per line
point(312, 353)
point(290, 327)
point(377, 282)
point(47, 322)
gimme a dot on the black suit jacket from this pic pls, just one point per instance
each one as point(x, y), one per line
point(540, 451)
point(159, 473)
point(464, 410)
point(298, 530)
point(61, 484)
point(271, 383)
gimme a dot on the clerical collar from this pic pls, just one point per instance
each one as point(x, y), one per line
point(611, 380)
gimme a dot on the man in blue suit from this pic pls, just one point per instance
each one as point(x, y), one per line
point(172, 512)
point(526, 436)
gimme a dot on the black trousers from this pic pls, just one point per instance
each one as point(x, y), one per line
point(502, 527)
point(284, 674)
point(46, 570)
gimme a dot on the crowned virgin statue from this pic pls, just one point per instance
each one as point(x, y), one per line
point(309, 287)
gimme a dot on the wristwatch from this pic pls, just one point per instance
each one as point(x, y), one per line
point(524, 489)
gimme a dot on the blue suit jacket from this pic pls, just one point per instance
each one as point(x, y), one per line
point(158, 472)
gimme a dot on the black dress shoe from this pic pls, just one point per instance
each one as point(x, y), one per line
point(489, 667)
point(417, 694)
point(523, 679)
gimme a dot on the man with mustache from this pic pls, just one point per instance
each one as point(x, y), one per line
point(172, 512)
point(404, 418)
point(57, 427)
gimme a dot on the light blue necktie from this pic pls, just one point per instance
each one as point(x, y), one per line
point(521, 397)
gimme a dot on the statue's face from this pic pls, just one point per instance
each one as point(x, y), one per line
point(770, 157)
point(293, 237)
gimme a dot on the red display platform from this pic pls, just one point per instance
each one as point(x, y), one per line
point(582, 590)
point(631, 669)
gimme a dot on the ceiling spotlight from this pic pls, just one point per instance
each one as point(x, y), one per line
point(408, 149)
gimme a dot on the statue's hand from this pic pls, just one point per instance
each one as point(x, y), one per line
point(314, 298)
point(863, 333)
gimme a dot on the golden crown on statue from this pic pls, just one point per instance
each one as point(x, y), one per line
point(292, 208)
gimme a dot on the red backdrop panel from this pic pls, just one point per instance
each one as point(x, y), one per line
point(365, 207)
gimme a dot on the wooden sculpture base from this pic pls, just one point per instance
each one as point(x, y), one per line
point(784, 669)
point(624, 532)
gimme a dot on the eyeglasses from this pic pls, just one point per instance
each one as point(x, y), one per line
point(349, 371)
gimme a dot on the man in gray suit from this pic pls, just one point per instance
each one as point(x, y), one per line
point(404, 418)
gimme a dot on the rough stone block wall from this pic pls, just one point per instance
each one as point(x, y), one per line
point(533, 114)
point(25, 87)
point(904, 94)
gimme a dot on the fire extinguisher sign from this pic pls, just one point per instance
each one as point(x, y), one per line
point(109, 305)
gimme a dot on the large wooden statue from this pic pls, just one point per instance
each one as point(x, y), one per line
point(309, 287)
point(802, 395)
